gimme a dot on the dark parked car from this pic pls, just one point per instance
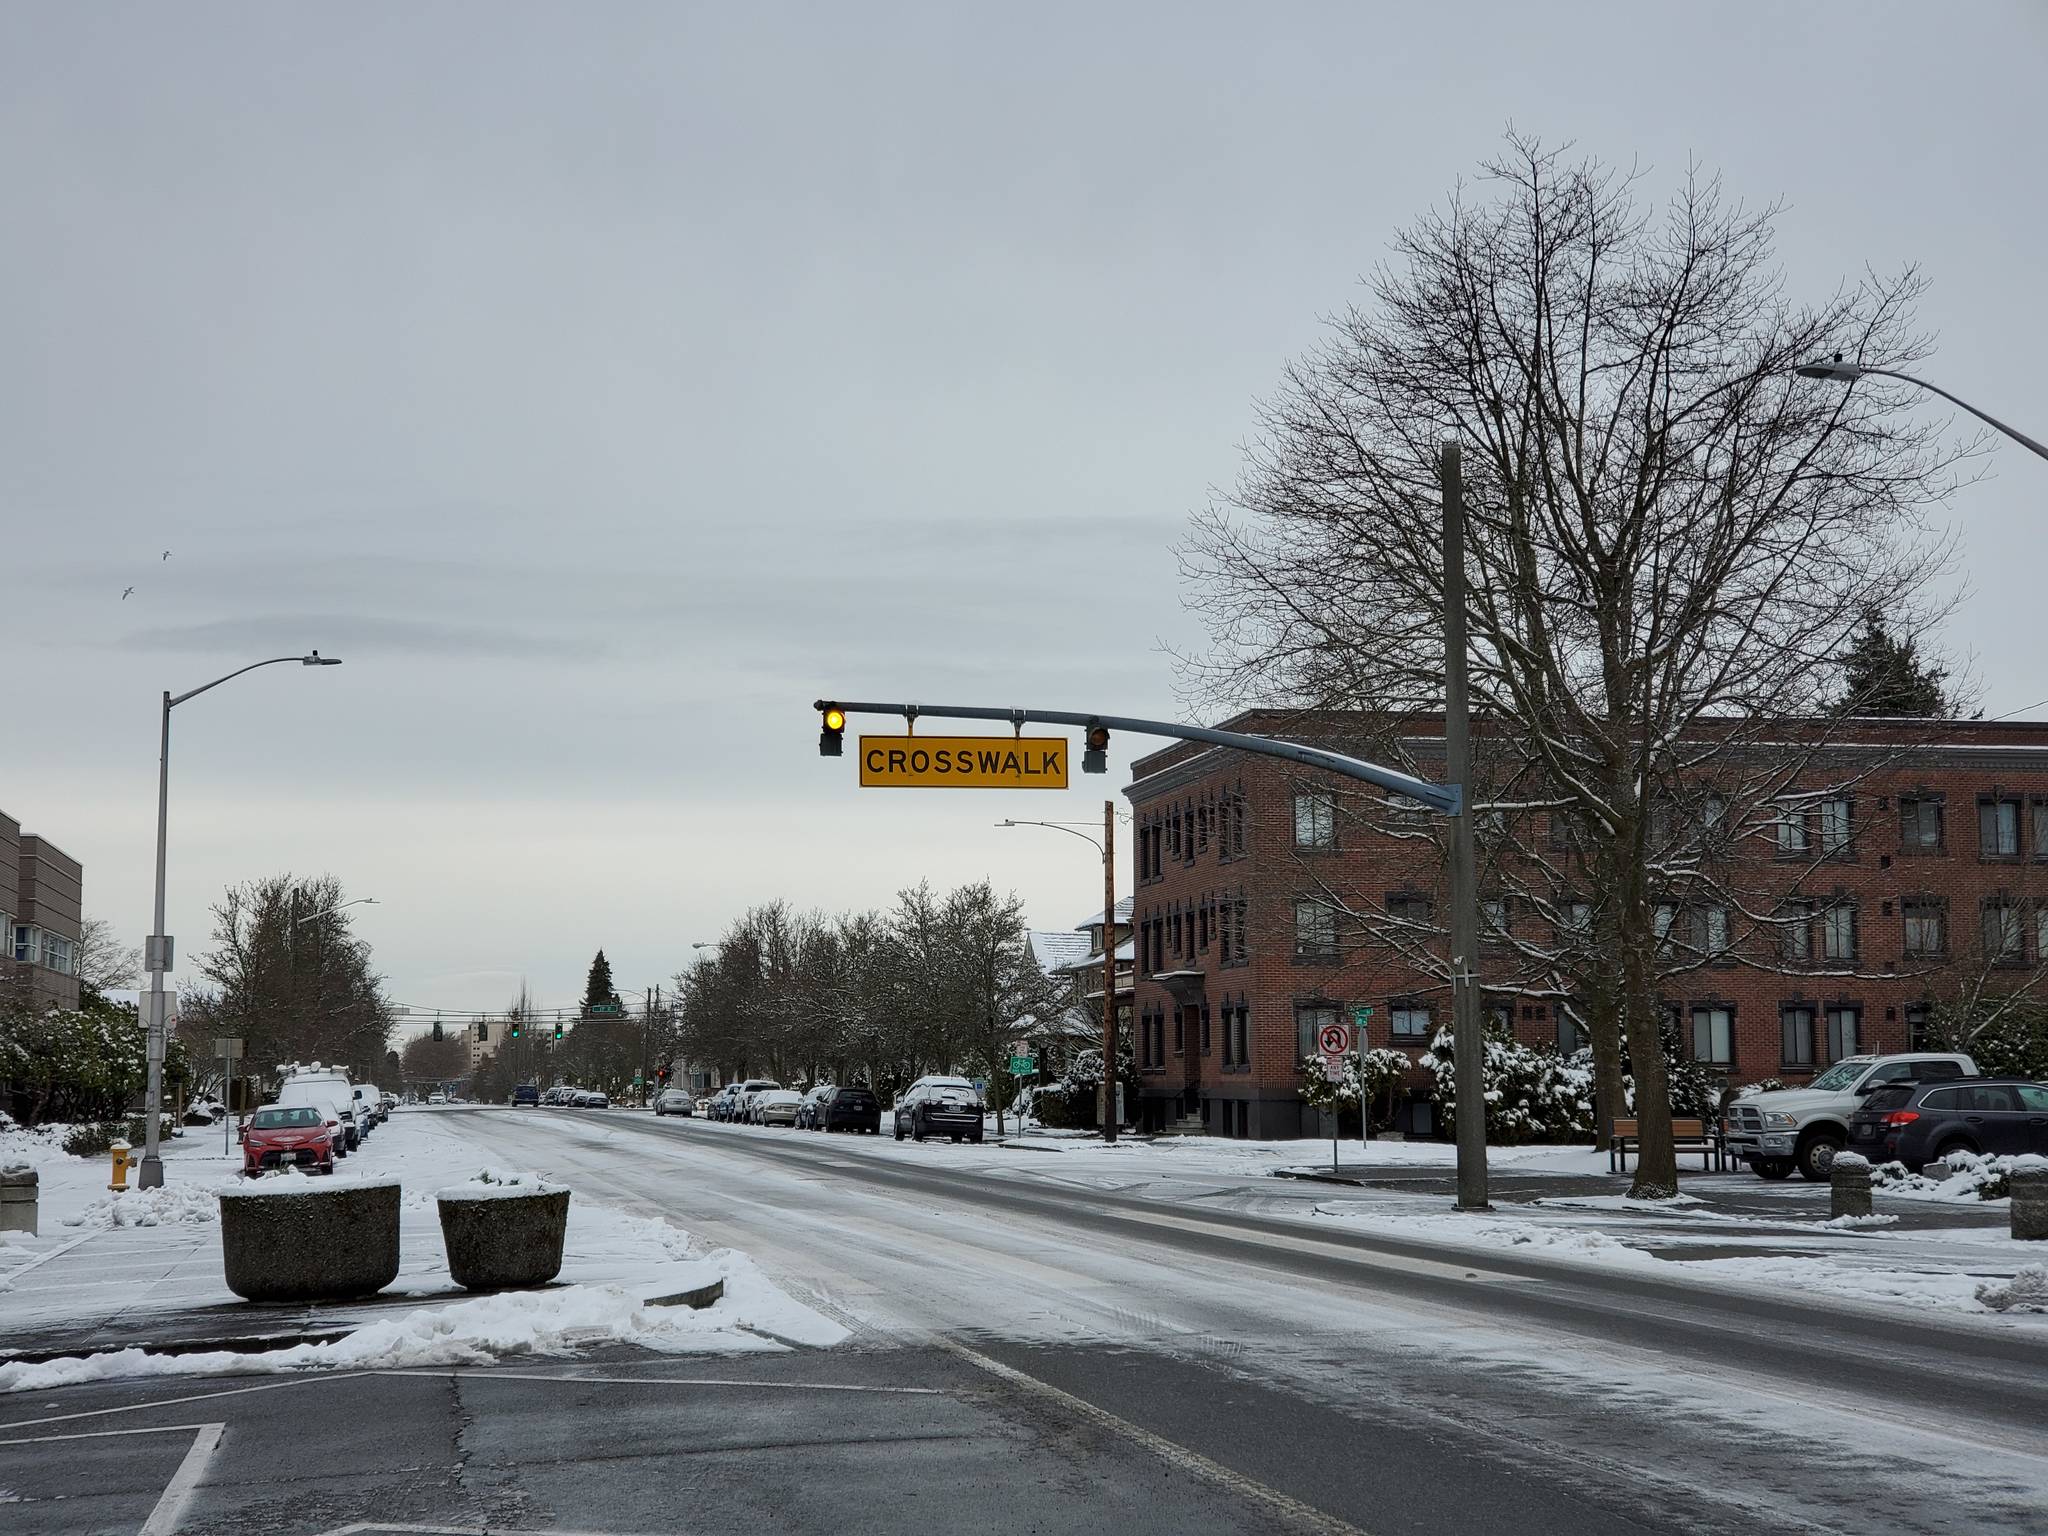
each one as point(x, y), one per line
point(850, 1109)
point(807, 1112)
point(1921, 1123)
point(525, 1094)
point(939, 1106)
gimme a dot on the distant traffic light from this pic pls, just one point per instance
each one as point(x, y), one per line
point(830, 738)
point(437, 1029)
point(661, 1075)
point(515, 1029)
point(483, 1032)
point(1096, 759)
point(558, 1029)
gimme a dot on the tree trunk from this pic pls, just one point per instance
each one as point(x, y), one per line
point(1656, 1159)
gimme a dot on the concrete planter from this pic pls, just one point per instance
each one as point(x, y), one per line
point(294, 1240)
point(501, 1236)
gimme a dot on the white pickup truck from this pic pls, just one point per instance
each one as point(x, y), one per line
point(1804, 1128)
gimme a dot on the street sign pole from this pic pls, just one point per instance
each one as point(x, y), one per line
point(229, 1049)
point(1361, 1019)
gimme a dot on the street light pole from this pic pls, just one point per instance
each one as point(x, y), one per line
point(1109, 1019)
point(1849, 373)
point(157, 949)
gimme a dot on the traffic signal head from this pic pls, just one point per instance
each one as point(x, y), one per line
point(515, 1029)
point(437, 1029)
point(829, 738)
point(1095, 759)
point(558, 1029)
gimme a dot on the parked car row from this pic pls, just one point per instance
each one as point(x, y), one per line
point(932, 1106)
point(318, 1118)
point(1912, 1108)
point(566, 1096)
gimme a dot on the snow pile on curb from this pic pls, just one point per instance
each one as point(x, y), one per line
point(752, 1317)
point(31, 1146)
point(168, 1205)
point(1856, 1223)
point(2026, 1291)
point(1970, 1176)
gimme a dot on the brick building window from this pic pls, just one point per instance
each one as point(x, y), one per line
point(1795, 1037)
point(1998, 826)
point(2039, 828)
point(1571, 1029)
point(1792, 841)
point(1244, 1035)
point(1408, 1021)
point(1493, 914)
point(1205, 1029)
point(1926, 925)
point(2003, 934)
point(1309, 1021)
point(1202, 919)
point(1407, 907)
point(1238, 815)
point(1241, 931)
point(1575, 918)
point(1180, 1030)
point(1315, 930)
point(1795, 932)
point(1920, 825)
point(1713, 1036)
point(1838, 932)
point(1845, 1031)
point(1662, 917)
point(1315, 819)
point(1202, 815)
point(1919, 1027)
point(1710, 930)
point(1837, 827)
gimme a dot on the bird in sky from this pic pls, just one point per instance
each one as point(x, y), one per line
point(124, 595)
point(167, 554)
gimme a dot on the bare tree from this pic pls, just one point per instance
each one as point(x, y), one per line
point(1668, 533)
point(104, 963)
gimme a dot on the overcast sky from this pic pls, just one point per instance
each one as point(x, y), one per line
point(607, 382)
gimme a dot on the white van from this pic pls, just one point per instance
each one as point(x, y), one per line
point(318, 1097)
point(332, 1084)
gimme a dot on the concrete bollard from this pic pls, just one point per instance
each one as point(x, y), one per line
point(1849, 1186)
point(18, 1198)
point(2029, 1204)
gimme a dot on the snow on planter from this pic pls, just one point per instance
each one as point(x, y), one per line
point(291, 1238)
point(503, 1230)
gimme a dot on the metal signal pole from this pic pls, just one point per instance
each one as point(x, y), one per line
point(1110, 1083)
point(1469, 1048)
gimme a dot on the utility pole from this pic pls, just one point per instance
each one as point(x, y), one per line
point(1110, 1076)
point(1469, 1048)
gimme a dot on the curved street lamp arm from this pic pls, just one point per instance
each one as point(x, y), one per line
point(1093, 842)
point(1985, 416)
point(194, 693)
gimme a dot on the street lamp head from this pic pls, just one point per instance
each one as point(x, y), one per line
point(317, 660)
point(1841, 372)
point(1006, 823)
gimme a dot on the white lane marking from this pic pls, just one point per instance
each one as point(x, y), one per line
point(487, 1374)
point(1300, 1516)
point(177, 1494)
point(107, 1434)
point(394, 1528)
point(56, 1252)
point(196, 1397)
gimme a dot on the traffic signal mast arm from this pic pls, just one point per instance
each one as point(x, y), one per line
point(1447, 798)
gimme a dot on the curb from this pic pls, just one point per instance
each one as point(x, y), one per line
point(1318, 1178)
point(246, 1344)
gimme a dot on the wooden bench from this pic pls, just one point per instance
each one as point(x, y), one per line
point(1686, 1136)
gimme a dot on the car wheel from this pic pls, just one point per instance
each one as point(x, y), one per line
point(1816, 1156)
point(916, 1131)
point(899, 1130)
point(1954, 1144)
point(328, 1166)
point(1771, 1167)
point(975, 1139)
point(954, 1138)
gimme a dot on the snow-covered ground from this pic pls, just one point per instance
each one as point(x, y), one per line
point(82, 1270)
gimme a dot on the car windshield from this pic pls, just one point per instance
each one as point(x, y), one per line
point(1840, 1076)
point(284, 1119)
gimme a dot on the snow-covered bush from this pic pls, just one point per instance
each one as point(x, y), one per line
point(1067, 1102)
point(1383, 1069)
point(1533, 1093)
point(75, 1064)
point(1965, 1176)
point(1751, 1090)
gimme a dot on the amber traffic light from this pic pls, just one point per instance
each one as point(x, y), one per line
point(1095, 759)
point(830, 738)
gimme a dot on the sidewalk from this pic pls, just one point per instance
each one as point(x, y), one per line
point(142, 1270)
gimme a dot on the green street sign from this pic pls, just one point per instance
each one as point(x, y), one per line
point(1023, 1066)
point(1360, 1017)
point(605, 1008)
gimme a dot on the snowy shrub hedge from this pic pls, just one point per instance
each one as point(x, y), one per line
point(1067, 1102)
point(1383, 1070)
point(1965, 1176)
point(77, 1064)
point(1537, 1093)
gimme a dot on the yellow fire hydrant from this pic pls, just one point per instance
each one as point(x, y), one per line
point(121, 1166)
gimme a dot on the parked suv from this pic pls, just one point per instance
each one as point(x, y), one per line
point(526, 1094)
point(1920, 1123)
point(807, 1112)
point(850, 1109)
point(939, 1106)
point(1804, 1128)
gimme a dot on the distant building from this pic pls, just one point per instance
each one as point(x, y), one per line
point(1077, 953)
point(39, 911)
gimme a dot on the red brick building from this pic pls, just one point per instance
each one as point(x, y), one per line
point(1907, 855)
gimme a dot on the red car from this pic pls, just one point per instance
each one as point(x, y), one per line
point(280, 1136)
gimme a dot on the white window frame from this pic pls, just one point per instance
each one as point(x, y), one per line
point(1315, 812)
